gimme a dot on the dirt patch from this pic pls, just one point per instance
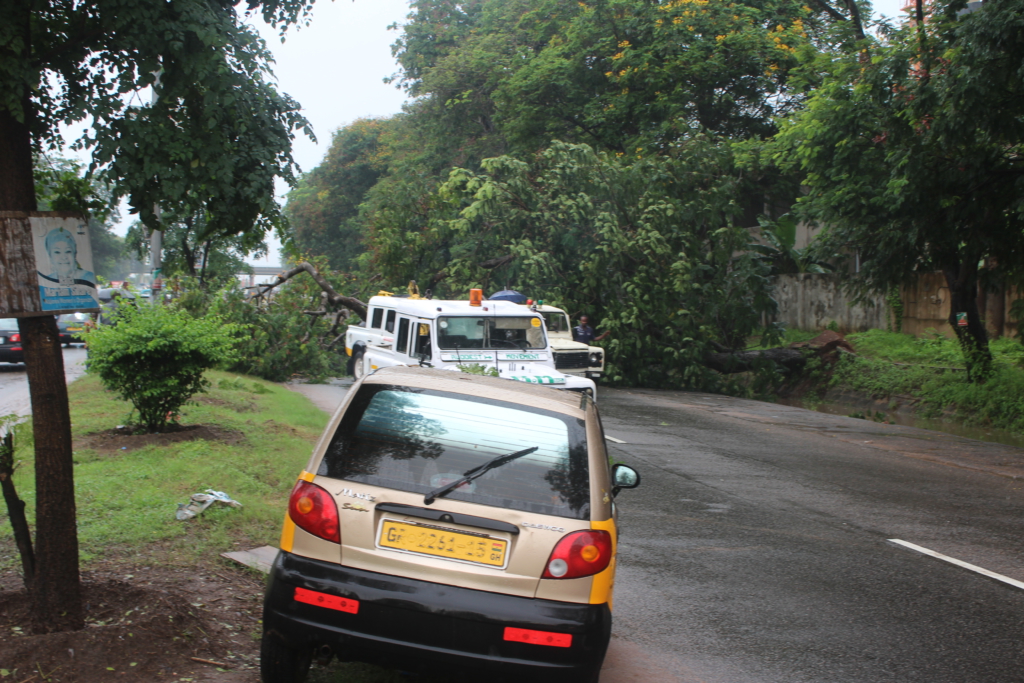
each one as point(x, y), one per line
point(121, 439)
point(280, 428)
point(143, 624)
point(240, 406)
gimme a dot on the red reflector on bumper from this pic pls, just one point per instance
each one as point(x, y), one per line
point(324, 600)
point(525, 635)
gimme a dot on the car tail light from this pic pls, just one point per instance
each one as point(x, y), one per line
point(14, 338)
point(549, 638)
point(327, 600)
point(581, 553)
point(314, 510)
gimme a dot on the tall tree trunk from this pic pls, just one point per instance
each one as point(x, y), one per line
point(963, 298)
point(56, 587)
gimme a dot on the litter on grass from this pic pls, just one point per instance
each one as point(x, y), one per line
point(201, 501)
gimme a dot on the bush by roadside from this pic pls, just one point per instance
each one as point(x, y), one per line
point(155, 357)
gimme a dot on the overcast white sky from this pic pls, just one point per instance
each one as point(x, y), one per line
point(335, 68)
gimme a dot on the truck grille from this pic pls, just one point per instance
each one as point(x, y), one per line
point(568, 360)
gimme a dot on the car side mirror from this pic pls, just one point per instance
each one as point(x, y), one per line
point(624, 477)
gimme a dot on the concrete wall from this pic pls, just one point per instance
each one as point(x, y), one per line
point(926, 305)
point(811, 301)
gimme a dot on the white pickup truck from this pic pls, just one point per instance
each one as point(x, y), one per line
point(448, 334)
point(571, 357)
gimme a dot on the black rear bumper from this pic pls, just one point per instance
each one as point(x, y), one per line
point(417, 625)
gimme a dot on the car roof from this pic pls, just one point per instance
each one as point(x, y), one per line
point(508, 390)
point(428, 308)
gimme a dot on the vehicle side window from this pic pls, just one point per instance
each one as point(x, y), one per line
point(403, 335)
point(390, 324)
point(378, 316)
point(421, 341)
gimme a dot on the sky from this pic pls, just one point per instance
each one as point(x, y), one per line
point(335, 68)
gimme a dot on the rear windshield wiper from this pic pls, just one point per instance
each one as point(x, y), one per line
point(478, 471)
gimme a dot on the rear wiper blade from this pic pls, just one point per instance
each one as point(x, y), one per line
point(478, 471)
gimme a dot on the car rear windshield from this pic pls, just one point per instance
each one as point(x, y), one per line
point(419, 440)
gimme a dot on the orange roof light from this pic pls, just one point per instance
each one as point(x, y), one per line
point(476, 297)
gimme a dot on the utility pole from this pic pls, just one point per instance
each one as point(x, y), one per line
point(156, 237)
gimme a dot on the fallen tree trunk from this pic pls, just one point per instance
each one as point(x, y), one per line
point(790, 360)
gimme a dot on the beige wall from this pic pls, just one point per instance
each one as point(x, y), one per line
point(926, 305)
point(811, 301)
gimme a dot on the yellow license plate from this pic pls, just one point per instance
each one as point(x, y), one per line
point(426, 539)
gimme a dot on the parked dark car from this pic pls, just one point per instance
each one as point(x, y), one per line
point(71, 326)
point(10, 342)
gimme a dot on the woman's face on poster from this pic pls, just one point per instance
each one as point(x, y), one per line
point(62, 257)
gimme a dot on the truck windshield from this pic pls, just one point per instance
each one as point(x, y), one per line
point(557, 322)
point(524, 332)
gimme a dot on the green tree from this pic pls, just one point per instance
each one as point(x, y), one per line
point(323, 208)
point(190, 250)
point(914, 159)
point(650, 248)
point(216, 137)
point(293, 332)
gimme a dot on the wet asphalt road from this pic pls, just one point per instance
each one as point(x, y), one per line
point(756, 548)
point(14, 397)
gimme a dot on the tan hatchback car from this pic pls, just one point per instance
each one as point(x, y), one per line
point(450, 523)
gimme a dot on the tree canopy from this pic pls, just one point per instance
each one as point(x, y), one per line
point(217, 132)
point(913, 159)
point(523, 81)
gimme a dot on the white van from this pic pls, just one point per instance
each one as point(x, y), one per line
point(494, 336)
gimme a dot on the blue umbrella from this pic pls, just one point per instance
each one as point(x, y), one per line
point(508, 295)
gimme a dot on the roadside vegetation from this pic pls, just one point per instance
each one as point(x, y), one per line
point(128, 487)
point(928, 373)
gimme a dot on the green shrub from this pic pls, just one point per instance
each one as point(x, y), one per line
point(154, 357)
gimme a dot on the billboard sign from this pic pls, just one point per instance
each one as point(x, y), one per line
point(64, 271)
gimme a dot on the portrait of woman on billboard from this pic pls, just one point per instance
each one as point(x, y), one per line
point(65, 282)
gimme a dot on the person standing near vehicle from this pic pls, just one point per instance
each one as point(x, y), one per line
point(584, 333)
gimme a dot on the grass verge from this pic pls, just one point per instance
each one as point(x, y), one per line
point(930, 370)
point(126, 499)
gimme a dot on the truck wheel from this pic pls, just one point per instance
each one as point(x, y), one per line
point(282, 664)
point(358, 370)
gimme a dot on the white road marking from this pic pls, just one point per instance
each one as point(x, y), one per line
point(612, 438)
point(961, 563)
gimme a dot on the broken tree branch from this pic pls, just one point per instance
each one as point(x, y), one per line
point(351, 303)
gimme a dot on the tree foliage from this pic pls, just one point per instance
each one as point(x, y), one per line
point(190, 250)
point(650, 248)
point(218, 132)
point(914, 159)
point(324, 205)
point(494, 77)
point(290, 332)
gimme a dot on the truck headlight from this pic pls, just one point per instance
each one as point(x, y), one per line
point(595, 359)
